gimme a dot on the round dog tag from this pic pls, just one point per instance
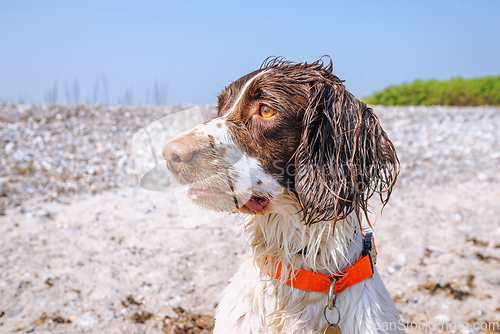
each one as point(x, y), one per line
point(332, 329)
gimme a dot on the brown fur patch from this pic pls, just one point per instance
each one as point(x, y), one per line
point(323, 144)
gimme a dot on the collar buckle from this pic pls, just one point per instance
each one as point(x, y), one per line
point(369, 249)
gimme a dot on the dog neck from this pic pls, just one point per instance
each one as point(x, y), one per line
point(282, 236)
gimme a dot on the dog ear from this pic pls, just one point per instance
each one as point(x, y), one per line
point(344, 156)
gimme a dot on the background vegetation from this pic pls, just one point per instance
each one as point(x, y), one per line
point(456, 92)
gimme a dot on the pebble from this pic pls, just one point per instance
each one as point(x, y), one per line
point(217, 232)
point(87, 321)
point(174, 302)
point(15, 311)
point(392, 269)
point(402, 258)
point(436, 250)
point(442, 318)
point(442, 144)
point(57, 151)
point(62, 150)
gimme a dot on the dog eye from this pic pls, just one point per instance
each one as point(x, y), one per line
point(266, 112)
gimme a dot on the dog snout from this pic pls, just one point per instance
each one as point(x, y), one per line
point(177, 153)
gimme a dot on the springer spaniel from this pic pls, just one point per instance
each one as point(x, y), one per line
point(315, 155)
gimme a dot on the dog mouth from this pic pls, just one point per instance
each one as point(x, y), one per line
point(255, 204)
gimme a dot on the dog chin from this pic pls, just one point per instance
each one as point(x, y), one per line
point(213, 198)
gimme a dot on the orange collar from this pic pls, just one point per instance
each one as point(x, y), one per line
point(314, 282)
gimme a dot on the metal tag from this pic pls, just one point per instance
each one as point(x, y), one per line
point(332, 329)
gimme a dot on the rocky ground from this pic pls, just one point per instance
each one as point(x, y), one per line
point(84, 250)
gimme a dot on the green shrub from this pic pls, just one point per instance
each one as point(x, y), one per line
point(456, 92)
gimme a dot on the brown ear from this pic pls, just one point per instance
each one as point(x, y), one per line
point(344, 156)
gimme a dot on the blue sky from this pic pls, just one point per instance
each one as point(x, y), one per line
point(192, 49)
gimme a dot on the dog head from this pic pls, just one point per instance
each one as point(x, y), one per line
point(299, 132)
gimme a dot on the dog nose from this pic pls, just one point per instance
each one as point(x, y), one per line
point(177, 153)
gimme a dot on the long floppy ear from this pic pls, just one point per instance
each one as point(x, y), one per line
point(344, 157)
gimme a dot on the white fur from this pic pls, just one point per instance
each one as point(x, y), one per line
point(217, 128)
point(248, 171)
point(243, 90)
point(269, 186)
point(255, 303)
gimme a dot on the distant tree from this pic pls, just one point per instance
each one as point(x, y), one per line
point(51, 95)
point(129, 97)
point(105, 92)
point(160, 94)
point(76, 92)
point(67, 92)
point(95, 99)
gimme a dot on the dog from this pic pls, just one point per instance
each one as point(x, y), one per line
point(313, 156)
